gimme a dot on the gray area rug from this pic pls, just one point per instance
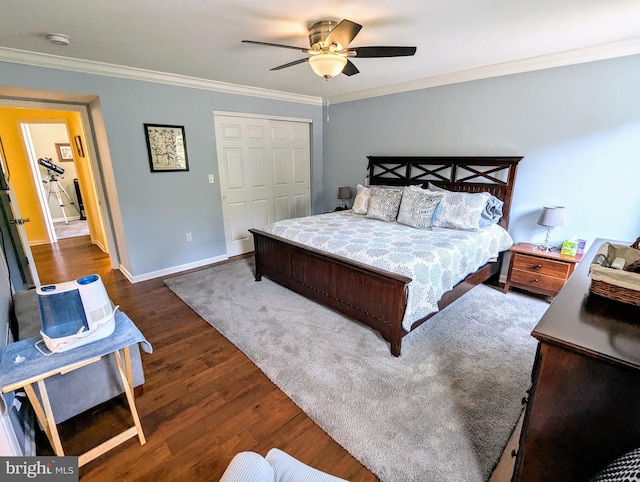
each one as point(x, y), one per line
point(443, 411)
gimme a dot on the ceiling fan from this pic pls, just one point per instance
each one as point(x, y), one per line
point(330, 52)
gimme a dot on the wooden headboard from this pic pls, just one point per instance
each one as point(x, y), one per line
point(496, 175)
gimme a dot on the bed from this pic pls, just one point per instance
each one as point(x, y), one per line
point(377, 297)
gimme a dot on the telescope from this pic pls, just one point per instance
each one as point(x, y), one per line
point(54, 185)
point(50, 165)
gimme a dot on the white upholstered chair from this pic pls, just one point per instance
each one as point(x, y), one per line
point(277, 466)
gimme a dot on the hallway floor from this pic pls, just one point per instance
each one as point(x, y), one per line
point(73, 229)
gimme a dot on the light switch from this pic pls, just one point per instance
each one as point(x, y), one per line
point(211, 179)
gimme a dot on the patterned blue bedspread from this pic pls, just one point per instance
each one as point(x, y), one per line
point(435, 260)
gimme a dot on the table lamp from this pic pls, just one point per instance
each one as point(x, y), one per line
point(551, 217)
point(344, 193)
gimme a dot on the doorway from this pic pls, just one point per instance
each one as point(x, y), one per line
point(17, 117)
point(52, 161)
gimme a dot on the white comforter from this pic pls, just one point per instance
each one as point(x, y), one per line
point(435, 260)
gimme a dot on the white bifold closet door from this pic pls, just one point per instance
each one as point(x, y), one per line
point(264, 169)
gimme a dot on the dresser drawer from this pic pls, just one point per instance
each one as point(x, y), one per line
point(542, 266)
point(537, 280)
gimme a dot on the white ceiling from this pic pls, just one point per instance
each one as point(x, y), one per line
point(455, 39)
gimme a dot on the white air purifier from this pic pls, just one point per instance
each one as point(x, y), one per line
point(75, 313)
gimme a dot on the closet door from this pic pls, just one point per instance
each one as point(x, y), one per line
point(264, 171)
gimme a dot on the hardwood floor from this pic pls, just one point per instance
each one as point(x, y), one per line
point(203, 401)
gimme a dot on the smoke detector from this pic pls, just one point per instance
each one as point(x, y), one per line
point(58, 39)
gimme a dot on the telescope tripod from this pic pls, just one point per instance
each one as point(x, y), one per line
point(56, 188)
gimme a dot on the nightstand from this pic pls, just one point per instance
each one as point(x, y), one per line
point(538, 270)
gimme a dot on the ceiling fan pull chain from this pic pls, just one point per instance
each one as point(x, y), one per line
point(327, 100)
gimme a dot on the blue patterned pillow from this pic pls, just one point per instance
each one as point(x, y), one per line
point(384, 203)
point(461, 210)
point(491, 213)
point(417, 207)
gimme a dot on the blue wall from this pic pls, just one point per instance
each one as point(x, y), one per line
point(159, 208)
point(578, 128)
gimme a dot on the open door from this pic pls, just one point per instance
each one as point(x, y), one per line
point(16, 247)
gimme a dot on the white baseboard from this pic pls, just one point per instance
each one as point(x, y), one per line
point(99, 245)
point(39, 242)
point(172, 270)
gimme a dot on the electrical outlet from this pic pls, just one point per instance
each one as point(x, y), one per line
point(211, 181)
point(189, 237)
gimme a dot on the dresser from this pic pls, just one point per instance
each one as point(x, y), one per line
point(583, 406)
point(538, 270)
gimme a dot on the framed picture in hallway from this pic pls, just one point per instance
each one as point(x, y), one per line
point(65, 153)
point(79, 146)
point(167, 148)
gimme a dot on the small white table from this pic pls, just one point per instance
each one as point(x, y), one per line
point(35, 368)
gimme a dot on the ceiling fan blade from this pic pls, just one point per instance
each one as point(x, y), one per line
point(290, 64)
point(343, 33)
point(269, 44)
point(372, 52)
point(350, 69)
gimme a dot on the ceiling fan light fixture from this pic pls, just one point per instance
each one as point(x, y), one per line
point(328, 65)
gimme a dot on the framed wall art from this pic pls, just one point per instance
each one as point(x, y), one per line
point(79, 146)
point(65, 153)
point(167, 148)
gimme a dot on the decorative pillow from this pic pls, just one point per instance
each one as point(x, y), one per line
point(384, 203)
point(491, 213)
point(461, 210)
point(390, 187)
point(361, 202)
point(417, 207)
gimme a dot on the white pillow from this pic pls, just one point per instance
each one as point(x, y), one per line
point(417, 207)
point(461, 210)
point(361, 202)
point(384, 203)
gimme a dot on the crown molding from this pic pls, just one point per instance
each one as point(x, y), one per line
point(98, 68)
point(606, 51)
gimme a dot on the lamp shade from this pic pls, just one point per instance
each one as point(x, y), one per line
point(344, 193)
point(327, 65)
point(552, 216)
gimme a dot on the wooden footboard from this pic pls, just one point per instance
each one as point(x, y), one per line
point(372, 296)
